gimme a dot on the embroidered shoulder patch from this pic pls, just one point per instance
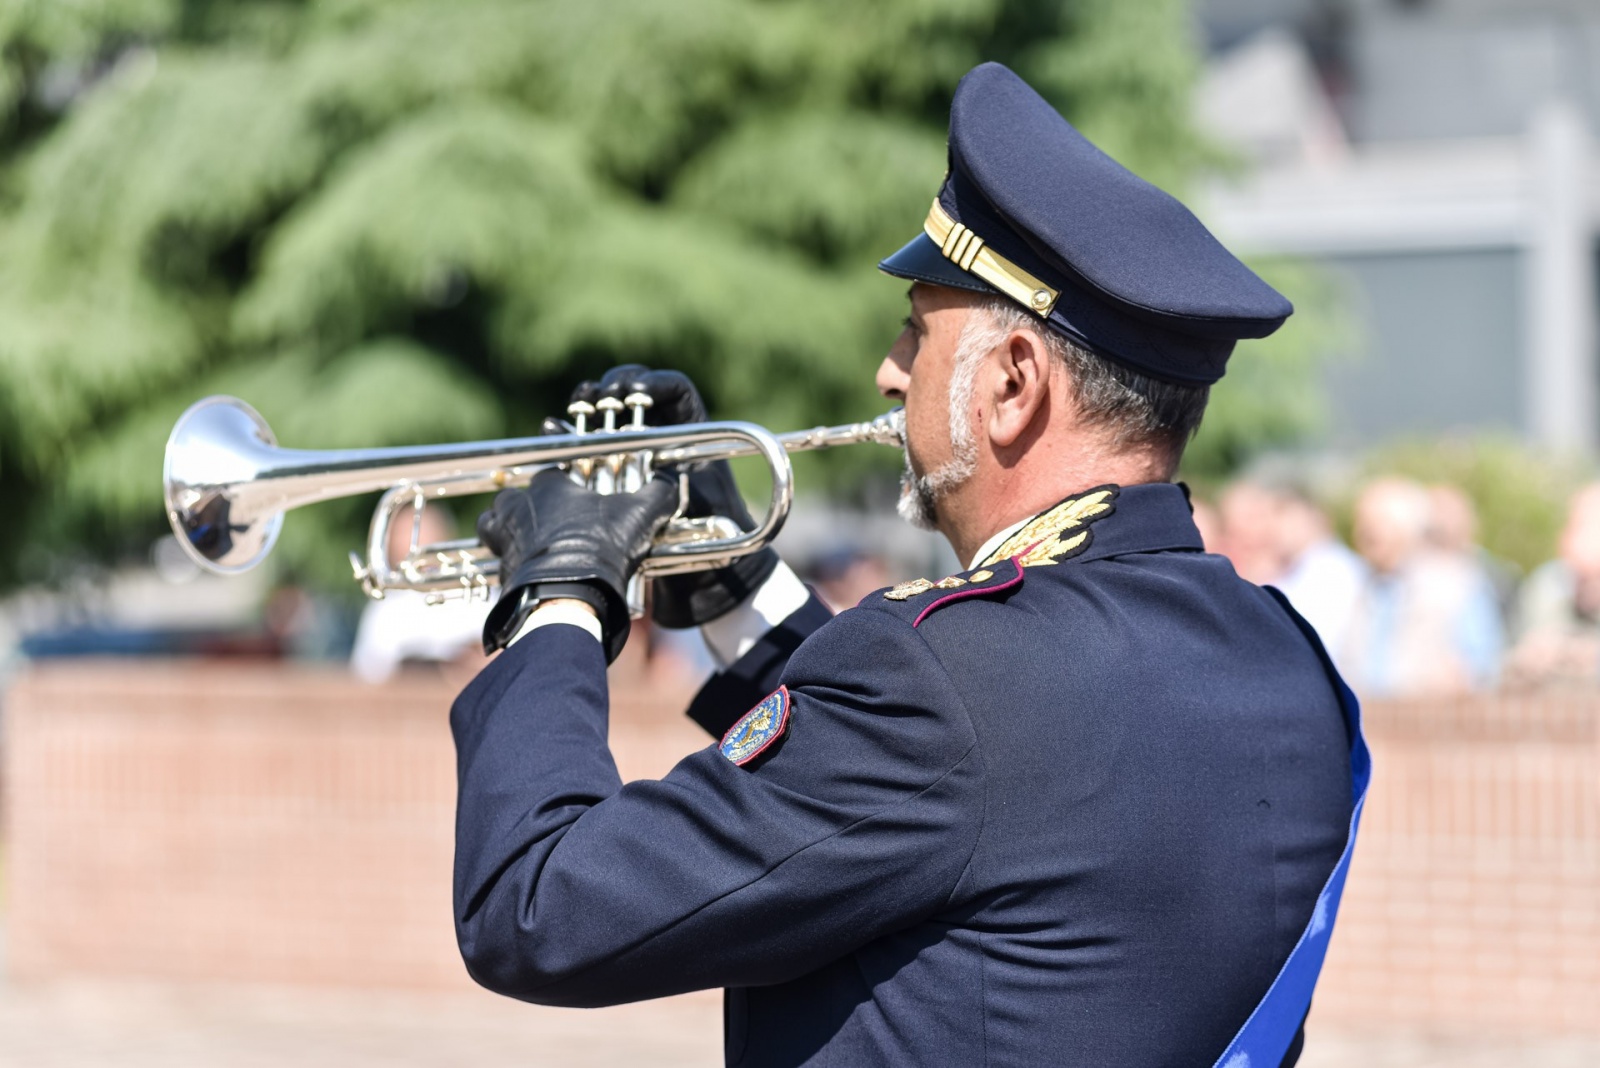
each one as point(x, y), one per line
point(1059, 534)
point(757, 729)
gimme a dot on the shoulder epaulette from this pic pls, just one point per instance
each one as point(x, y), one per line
point(922, 597)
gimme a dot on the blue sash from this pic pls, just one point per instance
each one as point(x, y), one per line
point(1266, 1035)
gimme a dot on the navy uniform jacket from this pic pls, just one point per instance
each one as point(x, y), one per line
point(1074, 809)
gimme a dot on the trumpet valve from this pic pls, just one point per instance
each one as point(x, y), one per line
point(638, 404)
point(580, 412)
point(609, 407)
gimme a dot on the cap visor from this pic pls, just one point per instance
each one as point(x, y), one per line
point(921, 261)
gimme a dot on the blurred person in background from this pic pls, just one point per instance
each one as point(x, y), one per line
point(1276, 535)
point(842, 578)
point(404, 628)
point(1453, 529)
point(1249, 514)
point(1322, 576)
point(1558, 611)
point(1427, 622)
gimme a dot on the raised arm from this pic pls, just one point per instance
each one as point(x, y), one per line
point(847, 807)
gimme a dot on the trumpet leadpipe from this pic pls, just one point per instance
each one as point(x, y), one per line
point(887, 429)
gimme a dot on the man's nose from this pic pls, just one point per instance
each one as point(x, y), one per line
point(894, 376)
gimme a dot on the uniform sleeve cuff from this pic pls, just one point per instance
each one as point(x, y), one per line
point(733, 634)
point(555, 612)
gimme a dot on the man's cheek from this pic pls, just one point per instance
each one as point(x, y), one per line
point(924, 444)
point(913, 457)
point(917, 408)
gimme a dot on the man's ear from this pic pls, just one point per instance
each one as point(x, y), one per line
point(1020, 387)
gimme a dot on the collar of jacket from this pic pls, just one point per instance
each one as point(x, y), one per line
point(1150, 517)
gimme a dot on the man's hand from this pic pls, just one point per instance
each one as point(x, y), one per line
point(556, 539)
point(696, 598)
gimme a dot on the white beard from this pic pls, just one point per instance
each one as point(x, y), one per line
point(920, 494)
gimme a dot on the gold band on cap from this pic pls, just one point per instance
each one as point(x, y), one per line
point(968, 251)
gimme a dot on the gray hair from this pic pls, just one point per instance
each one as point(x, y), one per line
point(1139, 411)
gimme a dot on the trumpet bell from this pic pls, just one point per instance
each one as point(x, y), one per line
point(219, 444)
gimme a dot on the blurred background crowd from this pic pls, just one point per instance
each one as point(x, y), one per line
point(1418, 607)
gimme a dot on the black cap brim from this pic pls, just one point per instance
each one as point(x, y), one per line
point(921, 261)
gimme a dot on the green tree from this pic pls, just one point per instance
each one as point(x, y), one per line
point(390, 221)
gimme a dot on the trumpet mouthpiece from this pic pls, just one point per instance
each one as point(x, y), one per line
point(890, 428)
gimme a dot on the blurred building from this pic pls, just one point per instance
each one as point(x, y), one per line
point(1439, 154)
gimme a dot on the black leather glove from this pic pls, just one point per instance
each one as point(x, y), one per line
point(558, 539)
point(680, 601)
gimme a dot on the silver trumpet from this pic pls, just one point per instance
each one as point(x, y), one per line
point(228, 484)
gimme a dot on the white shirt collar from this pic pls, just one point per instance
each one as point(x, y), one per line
point(995, 542)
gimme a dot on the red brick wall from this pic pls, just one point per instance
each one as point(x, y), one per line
point(1474, 896)
point(192, 820)
point(217, 821)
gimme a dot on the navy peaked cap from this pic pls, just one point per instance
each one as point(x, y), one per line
point(1030, 209)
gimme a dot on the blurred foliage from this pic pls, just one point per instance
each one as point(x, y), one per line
point(390, 221)
point(1272, 396)
point(1520, 492)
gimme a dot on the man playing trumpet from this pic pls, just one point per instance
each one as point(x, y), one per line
point(1078, 803)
